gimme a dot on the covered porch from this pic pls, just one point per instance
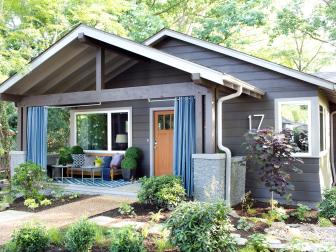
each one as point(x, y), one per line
point(91, 72)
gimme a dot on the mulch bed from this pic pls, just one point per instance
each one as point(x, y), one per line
point(19, 206)
point(261, 208)
point(143, 213)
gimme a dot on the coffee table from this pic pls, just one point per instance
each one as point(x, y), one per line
point(62, 168)
point(91, 169)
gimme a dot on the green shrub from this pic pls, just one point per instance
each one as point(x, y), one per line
point(55, 236)
point(162, 191)
point(45, 202)
point(258, 242)
point(129, 163)
point(301, 212)
point(127, 240)
point(197, 226)
point(77, 150)
point(133, 152)
point(29, 179)
point(80, 236)
point(243, 224)
point(126, 209)
point(328, 205)
point(30, 238)
point(277, 214)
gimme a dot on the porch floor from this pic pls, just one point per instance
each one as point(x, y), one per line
point(97, 182)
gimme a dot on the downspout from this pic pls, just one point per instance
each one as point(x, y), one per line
point(220, 141)
point(333, 170)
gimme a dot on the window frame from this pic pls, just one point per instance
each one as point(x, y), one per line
point(109, 112)
point(278, 119)
point(326, 127)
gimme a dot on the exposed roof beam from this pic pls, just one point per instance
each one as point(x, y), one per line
point(100, 69)
point(10, 97)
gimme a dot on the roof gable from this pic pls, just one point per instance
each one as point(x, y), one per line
point(135, 48)
point(241, 56)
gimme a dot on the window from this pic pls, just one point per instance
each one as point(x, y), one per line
point(103, 131)
point(295, 115)
point(323, 139)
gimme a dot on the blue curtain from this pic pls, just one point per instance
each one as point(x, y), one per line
point(184, 140)
point(37, 122)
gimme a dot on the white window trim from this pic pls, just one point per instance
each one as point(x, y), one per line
point(108, 111)
point(313, 126)
point(326, 128)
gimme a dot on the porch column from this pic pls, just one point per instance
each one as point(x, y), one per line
point(210, 122)
point(199, 123)
point(21, 138)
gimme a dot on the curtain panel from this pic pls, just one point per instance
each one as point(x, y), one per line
point(184, 140)
point(37, 123)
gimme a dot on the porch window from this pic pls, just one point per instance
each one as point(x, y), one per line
point(296, 116)
point(102, 130)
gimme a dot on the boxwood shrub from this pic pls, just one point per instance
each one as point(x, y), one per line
point(30, 238)
point(328, 205)
point(80, 236)
point(162, 191)
point(127, 240)
point(196, 226)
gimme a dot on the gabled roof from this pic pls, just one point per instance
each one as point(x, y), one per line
point(135, 48)
point(241, 56)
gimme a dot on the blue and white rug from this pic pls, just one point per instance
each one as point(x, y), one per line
point(89, 182)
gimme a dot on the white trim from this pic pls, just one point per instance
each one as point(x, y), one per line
point(151, 135)
point(313, 150)
point(140, 49)
point(242, 56)
point(326, 129)
point(109, 112)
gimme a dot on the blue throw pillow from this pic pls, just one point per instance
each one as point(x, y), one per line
point(106, 168)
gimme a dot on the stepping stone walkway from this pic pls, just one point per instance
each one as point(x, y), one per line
point(59, 216)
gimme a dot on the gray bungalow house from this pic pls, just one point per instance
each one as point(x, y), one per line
point(173, 96)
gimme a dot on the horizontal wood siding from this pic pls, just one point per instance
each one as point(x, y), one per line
point(148, 73)
point(236, 112)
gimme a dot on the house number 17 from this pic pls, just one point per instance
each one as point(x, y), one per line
point(250, 117)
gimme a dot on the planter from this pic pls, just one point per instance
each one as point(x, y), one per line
point(127, 174)
point(78, 160)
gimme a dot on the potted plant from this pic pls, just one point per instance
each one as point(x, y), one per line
point(98, 162)
point(64, 156)
point(130, 163)
point(78, 156)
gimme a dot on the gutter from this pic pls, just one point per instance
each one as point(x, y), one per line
point(333, 170)
point(220, 141)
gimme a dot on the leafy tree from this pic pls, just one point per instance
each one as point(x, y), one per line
point(58, 128)
point(271, 154)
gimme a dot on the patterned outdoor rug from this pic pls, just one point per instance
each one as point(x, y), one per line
point(89, 182)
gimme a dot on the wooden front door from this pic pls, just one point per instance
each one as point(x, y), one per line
point(163, 142)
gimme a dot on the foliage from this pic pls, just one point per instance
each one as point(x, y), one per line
point(301, 212)
point(243, 224)
point(162, 191)
point(80, 236)
point(77, 150)
point(324, 222)
point(30, 238)
point(29, 179)
point(328, 205)
point(247, 201)
point(55, 236)
point(133, 152)
point(272, 154)
point(162, 244)
point(276, 214)
point(127, 240)
point(98, 161)
point(126, 209)
point(31, 204)
point(45, 202)
point(258, 242)
point(58, 130)
point(155, 217)
point(64, 156)
point(129, 163)
point(197, 226)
